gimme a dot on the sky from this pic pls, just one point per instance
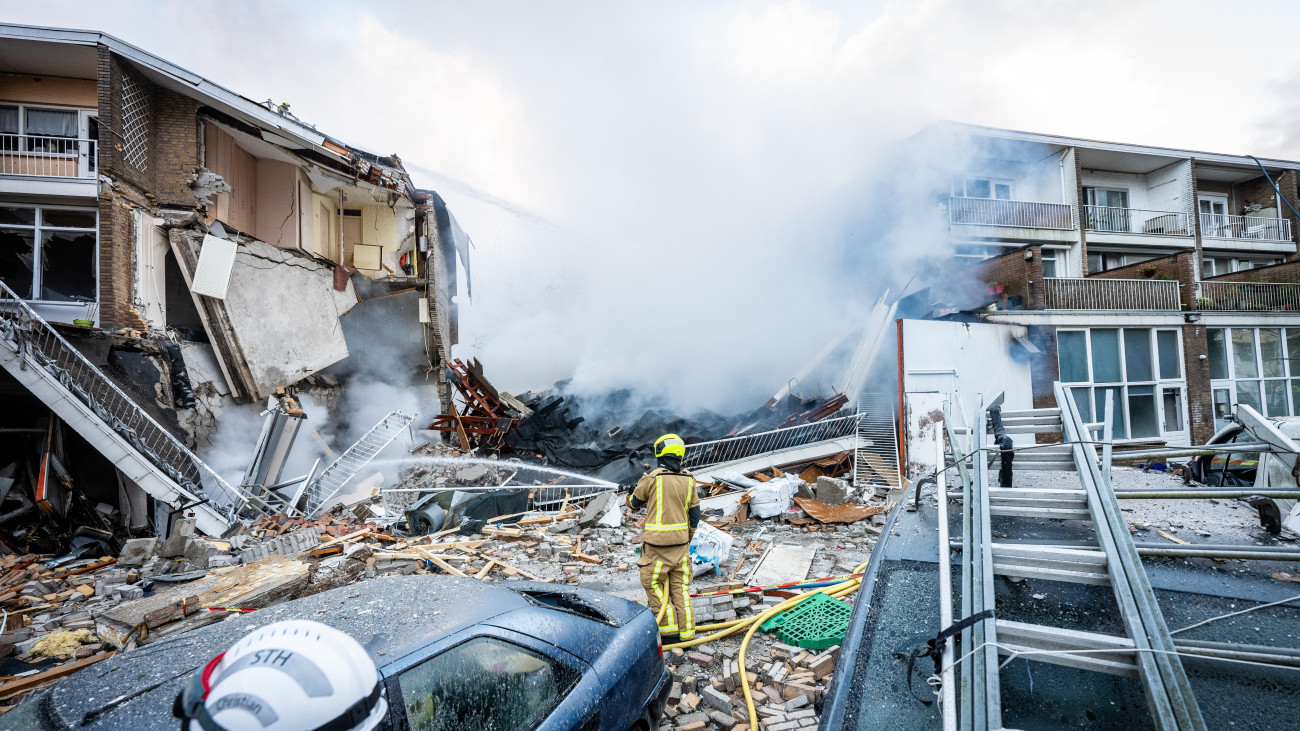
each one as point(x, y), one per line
point(641, 179)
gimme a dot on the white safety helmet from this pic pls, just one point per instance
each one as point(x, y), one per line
point(295, 675)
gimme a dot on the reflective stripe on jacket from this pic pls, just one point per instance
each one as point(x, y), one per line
point(668, 496)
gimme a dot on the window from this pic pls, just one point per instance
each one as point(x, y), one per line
point(981, 188)
point(1102, 261)
point(484, 683)
point(1140, 369)
point(49, 254)
point(1256, 366)
point(45, 128)
point(1051, 262)
point(1107, 209)
point(1218, 266)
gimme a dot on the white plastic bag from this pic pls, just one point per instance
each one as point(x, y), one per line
point(709, 548)
point(774, 496)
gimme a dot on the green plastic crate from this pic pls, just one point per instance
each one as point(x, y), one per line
point(816, 623)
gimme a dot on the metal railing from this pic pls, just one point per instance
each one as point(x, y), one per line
point(47, 157)
point(1094, 293)
point(1249, 296)
point(1137, 221)
point(1255, 228)
point(396, 500)
point(1017, 214)
point(875, 461)
point(336, 476)
point(41, 345)
point(729, 449)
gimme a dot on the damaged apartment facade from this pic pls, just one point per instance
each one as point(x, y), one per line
point(1168, 278)
point(168, 247)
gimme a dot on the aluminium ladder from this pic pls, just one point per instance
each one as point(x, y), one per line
point(333, 478)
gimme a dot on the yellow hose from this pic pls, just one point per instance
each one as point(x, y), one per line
point(729, 628)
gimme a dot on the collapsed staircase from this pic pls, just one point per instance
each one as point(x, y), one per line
point(146, 453)
point(331, 481)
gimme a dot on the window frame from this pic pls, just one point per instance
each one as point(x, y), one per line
point(964, 181)
point(1157, 383)
point(83, 114)
point(38, 229)
point(1290, 377)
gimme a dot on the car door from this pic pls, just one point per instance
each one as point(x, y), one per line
point(488, 677)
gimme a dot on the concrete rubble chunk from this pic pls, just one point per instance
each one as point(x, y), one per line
point(833, 491)
point(137, 551)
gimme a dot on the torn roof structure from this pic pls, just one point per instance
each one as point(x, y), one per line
point(177, 247)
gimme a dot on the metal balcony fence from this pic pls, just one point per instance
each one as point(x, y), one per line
point(1256, 228)
point(1016, 214)
point(1092, 293)
point(1249, 297)
point(1137, 221)
point(729, 449)
point(47, 157)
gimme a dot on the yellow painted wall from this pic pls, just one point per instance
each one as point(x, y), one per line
point(277, 203)
point(52, 90)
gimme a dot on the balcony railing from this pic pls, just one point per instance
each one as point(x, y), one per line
point(1093, 293)
point(1249, 297)
point(47, 157)
point(1016, 214)
point(1254, 228)
point(1137, 221)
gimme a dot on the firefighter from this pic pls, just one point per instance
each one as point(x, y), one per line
point(672, 514)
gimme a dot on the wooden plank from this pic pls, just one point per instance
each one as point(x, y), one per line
point(486, 569)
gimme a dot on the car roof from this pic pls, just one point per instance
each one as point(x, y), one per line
point(389, 616)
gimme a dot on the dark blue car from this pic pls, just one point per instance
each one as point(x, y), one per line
point(454, 653)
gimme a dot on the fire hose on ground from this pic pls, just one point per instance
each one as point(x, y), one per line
point(725, 629)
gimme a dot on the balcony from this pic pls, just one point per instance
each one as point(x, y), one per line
point(1248, 228)
point(1010, 214)
point(47, 157)
point(1137, 221)
point(1248, 297)
point(1093, 293)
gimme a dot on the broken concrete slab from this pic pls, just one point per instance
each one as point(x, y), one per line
point(785, 562)
point(278, 322)
point(182, 532)
point(833, 491)
point(596, 509)
point(138, 550)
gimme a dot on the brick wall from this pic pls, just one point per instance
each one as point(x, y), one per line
point(1199, 402)
point(1019, 277)
point(1180, 267)
point(1259, 191)
point(176, 148)
point(113, 139)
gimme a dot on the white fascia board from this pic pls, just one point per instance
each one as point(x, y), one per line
point(1210, 157)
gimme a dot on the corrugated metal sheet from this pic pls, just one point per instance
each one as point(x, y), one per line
point(216, 262)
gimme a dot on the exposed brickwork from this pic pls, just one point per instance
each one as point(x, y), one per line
point(111, 141)
point(1199, 403)
point(1180, 267)
point(176, 148)
point(117, 261)
point(1018, 276)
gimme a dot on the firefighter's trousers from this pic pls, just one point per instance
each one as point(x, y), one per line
point(666, 577)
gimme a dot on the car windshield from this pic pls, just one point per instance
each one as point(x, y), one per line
point(485, 684)
point(1235, 469)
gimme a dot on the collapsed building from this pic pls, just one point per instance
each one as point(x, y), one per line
point(168, 249)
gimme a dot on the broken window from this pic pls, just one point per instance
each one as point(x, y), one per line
point(1139, 368)
point(49, 254)
point(483, 683)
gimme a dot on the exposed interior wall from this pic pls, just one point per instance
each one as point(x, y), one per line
point(239, 169)
point(939, 359)
point(52, 90)
point(324, 226)
point(278, 206)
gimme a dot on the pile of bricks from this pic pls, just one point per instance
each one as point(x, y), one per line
point(784, 682)
point(719, 607)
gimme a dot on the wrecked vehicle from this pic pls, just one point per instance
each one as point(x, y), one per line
point(453, 653)
point(1252, 469)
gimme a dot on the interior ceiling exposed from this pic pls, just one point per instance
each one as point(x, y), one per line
point(47, 59)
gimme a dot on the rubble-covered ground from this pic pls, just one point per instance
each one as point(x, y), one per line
point(61, 618)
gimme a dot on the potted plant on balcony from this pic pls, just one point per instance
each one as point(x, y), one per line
point(1148, 272)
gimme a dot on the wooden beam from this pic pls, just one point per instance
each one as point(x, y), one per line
point(31, 682)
